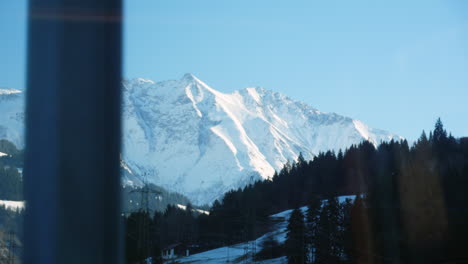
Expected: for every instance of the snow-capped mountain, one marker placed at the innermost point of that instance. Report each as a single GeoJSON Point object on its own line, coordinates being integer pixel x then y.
{"type": "Point", "coordinates": [12, 116]}
{"type": "Point", "coordinates": [190, 138]}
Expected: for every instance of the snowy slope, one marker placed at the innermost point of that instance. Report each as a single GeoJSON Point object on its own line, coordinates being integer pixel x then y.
{"type": "Point", "coordinates": [190, 138]}
{"type": "Point", "coordinates": [12, 116]}
{"type": "Point", "coordinates": [246, 250]}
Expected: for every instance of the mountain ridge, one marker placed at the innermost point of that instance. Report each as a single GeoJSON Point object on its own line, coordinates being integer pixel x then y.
{"type": "Point", "coordinates": [225, 140]}
{"type": "Point", "coordinates": [193, 139]}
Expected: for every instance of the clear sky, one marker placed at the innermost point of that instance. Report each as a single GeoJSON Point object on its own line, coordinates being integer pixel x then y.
{"type": "Point", "coordinates": [396, 65]}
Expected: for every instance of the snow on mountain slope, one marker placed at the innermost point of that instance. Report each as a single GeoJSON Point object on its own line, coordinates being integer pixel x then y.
{"type": "Point", "coordinates": [190, 138]}
{"type": "Point", "coordinates": [12, 116]}
{"type": "Point", "coordinates": [193, 139]}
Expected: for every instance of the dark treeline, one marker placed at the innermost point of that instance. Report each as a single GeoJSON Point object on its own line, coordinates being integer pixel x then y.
{"type": "Point", "coordinates": [414, 207]}
{"type": "Point", "coordinates": [11, 221]}
{"type": "Point", "coordinates": [147, 235]}
{"type": "Point", "coordinates": [320, 234]}
{"type": "Point", "coordinates": [11, 187]}
{"type": "Point", "coordinates": [159, 199]}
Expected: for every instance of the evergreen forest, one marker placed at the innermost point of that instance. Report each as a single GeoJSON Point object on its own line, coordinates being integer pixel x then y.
{"type": "Point", "coordinates": [410, 206]}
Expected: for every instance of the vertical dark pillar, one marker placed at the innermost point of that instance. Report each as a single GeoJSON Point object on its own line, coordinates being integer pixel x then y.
{"type": "Point", "coordinates": [73, 138]}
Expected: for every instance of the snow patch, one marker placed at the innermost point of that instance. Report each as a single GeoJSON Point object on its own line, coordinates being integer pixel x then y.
{"type": "Point", "coordinates": [125, 167]}
{"type": "Point", "coordinates": [9, 91]}
{"type": "Point", "coordinates": [188, 91]}
{"type": "Point", "coordinates": [362, 128]}
{"type": "Point", "coordinates": [15, 206]}
{"type": "Point", "coordinates": [183, 207]}
{"type": "Point", "coordinates": [254, 94]}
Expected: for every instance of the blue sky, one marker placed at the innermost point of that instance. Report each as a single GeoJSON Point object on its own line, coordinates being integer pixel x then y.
{"type": "Point", "coordinates": [396, 65]}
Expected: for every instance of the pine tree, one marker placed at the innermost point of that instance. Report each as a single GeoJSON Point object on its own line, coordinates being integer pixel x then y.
{"type": "Point", "coordinates": [440, 135]}
{"type": "Point", "coordinates": [300, 160]}
{"type": "Point", "coordinates": [270, 248]}
{"type": "Point", "coordinates": [312, 219]}
{"type": "Point", "coordinates": [323, 242]}
{"type": "Point", "coordinates": [140, 240]}
{"type": "Point", "coordinates": [295, 245]}
{"type": "Point", "coordinates": [361, 244]}
{"type": "Point", "coordinates": [423, 137]}
{"type": "Point", "coordinates": [347, 232]}
{"type": "Point", "coordinates": [329, 244]}
{"type": "Point", "coordinates": [336, 231]}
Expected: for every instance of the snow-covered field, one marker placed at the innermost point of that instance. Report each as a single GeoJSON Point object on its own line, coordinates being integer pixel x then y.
{"type": "Point", "coordinates": [12, 205]}
{"type": "Point", "coordinates": [243, 252]}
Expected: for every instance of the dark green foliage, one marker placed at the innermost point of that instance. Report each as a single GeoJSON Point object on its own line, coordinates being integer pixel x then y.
{"type": "Point", "coordinates": [178, 226]}
{"type": "Point", "coordinates": [295, 245]}
{"type": "Point", "coordinates": [439, 135]}
{"type": "Point", "coordinates": [9, 148]}
{"type": "Point", "coordinates": [146, 236]}
{"type": "Point", "coordinates": [346, 231]}
{"type": "Point", "coordinates": [131, 198]}
{"type": "Point", "coordinates": [312, 228]}
{"type": "Point", "coordinates": [270, 248]}
{"type": "Point", "coordinates": [415, 201]}
{"type": "Point", "coordinates": [11, 221]}
{"type": "Point", "coordinates": [11, 188]}
{"type": "Point", "coordinates": [329, 241]}
{"type": "Point", "coordinates": [142, 236]}
{"type": "Point", "coordinates": [415, 211]}
{"type": "Point", "coordinates": [415, 208]}
{"type": "Point", "coordinates": [11, 183]}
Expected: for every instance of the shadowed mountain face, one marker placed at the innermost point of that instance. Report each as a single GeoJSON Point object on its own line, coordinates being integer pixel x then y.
{"type": "Point", "coordinates": [190, 138]}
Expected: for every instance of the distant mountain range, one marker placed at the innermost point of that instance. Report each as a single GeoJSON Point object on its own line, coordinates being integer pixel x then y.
{"type": "Point", "coordinates": [190, 138]}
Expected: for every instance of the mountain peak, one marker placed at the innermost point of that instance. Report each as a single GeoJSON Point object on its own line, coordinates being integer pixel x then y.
{"type": "Point", "coordinates": [143, 80]}
{"type": "Point", "coordinates": [8, 91]}
{"type": "Point", "coordinates": [198, 141]}
{"type": "Point", "coordinates": [189, 77]}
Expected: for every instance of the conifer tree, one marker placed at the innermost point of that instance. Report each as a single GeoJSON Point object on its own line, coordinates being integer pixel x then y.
{"type": "Point", "coordinates": [347, 232]}
{"type": "Point", "coordinates": [312, 220]}
{"type": "Point", "coordinates": [300, 160]}
{"type": "Point", "coordinates": [329, 242]}
{"type": "Point", "coordinates": [323, 242]}
{"type": "Point", "coordinates": [440, 134]}
{"type": "Point", "coordinates": [295, 245]}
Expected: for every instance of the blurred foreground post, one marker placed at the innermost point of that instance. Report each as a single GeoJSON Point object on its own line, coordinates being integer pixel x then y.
{"type": "Point", "coordinates": [71, 174]}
